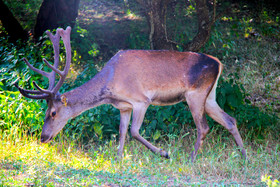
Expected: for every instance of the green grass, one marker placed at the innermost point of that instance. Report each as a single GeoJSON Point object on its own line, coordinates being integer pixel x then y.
{"type": "Point", "coordinates": [24, 161]}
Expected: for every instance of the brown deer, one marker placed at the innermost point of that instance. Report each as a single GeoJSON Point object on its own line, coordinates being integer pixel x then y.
{"type": "Point", "coordinates": [131, 81]}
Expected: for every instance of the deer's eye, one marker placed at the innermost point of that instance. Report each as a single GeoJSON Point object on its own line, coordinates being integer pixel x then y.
{"type": "Point", "coordinates": [53, 114]}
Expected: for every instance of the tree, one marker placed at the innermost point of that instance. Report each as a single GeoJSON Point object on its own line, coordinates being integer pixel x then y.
{"type": "Point", "coordinates": [155, 11]}
{"type": "Point", "coordinates": [55, 13]}
{"type": "Point", "coordinates": [11, 24]}
{"type": "Point", "coordinates": [205, 21]}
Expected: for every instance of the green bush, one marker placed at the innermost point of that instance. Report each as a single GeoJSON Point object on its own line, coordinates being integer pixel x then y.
{"type": "Point", "coordinates": [19, 116]}
{"type": "Point", "coordinates": [269, 182]}
{"type": "Point", "coordinates": [103, 122]}
{"type": "Point", "coordinates": [231, 96]}
{"type": "Point", "coordinates": [25, 11]}
{"type": "Point", "coordinates": [13, 68]}
{"type": "Point", "coordinates": [84, 43]}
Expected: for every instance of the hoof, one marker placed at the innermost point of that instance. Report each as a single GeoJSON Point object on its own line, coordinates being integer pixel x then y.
{"type": "Point", "coordinates": [164, 154]}
{"type": "Point", "coordinates": [167, 156]}
{"type": "Point", "coordinates": [192, 156]}
{"type": "Point", "coordinates": [244, 155]}
{"type": "Point", "coordinates": [119, 157]}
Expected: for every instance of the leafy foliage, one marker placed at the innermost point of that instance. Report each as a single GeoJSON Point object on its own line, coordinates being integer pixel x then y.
{"type": "Point", "coordinates": [231, 96]}
{"type": "Point", "coordinates": [25, 11]}
{"type": "Point", "coordinates": [270, 183]}
{"type": "Point", "coordinates": [103, 122]}
{"type": "Point", "coordinates": [84, 43]}
{"type": "Point", "coordinates": [19, 116]}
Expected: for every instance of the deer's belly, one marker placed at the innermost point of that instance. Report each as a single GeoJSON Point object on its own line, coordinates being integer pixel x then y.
{"type": "Point", "coordinates": [167, 98]}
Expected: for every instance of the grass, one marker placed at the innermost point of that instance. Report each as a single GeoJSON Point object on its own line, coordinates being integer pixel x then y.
{"type": "Point", "coordinates": [26, 162]}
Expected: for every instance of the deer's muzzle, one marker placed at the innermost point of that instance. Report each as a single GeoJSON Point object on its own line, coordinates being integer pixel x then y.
{"type": "Point", "coordinates": [46, 138]}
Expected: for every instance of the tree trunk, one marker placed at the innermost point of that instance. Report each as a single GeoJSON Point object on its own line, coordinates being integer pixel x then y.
{"type": "Point", "coordinates": [155, 11]}
{"type": "Point", "coordinates": [204, 26]}
{"type": "Point", "coordinates": [55, 13]}
{"type": "Point", "coordinates": [11, 24]}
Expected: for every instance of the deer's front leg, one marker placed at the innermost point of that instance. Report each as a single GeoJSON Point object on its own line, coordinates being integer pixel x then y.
{"type": "Point", "coordinates": [138, 116]}
{"type": "Point", "coordinates": [125, 118]}
{"type": "Point", "coordinates": [196, 102]}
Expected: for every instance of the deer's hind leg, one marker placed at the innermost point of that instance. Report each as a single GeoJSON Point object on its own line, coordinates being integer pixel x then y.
{"type": "Point", "coordinates": [215, 112]}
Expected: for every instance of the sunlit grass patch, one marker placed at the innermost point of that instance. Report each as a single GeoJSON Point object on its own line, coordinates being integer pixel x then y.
{"type": "Point", "coordinates": [27, 161]}
{"type": "Point", "coordinates": [63, 163]}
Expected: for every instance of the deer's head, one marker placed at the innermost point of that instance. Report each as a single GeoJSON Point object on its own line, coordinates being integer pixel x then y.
{"type": "Point", "coordinates": [58, 112]}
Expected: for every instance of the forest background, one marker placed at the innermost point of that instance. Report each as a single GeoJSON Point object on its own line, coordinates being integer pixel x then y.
{"type": "Point", "coordinates": [244, 35]}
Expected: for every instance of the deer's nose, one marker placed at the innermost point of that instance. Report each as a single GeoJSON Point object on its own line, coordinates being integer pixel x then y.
{"type": "Point", "coordinates": [46, 138]}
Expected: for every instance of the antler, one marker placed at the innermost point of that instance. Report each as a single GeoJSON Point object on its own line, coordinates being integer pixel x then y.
{"type": "Point", "coordinates": [41, 93]}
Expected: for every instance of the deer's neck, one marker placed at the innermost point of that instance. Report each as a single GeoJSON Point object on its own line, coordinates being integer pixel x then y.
{"type": "Point", "coordinates": [89, 95]}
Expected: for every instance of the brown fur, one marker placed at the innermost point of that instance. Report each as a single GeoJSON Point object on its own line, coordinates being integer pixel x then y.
{"type": "Point", "coordinates": [135, 79]}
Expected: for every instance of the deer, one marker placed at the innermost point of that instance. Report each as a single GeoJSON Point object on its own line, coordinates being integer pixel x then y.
{"type": "Point", "coordinates": [131, 81]}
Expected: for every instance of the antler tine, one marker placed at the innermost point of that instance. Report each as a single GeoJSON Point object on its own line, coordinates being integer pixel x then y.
{"type": "Point", "coordinates": [41, 89]}
{"type": "Point", "coordinates": [65, 35]}
{"type": "Point", "coordinates": [55, 41]}
{"type": "Point", "coordinates": [46, 74]}
{"type": "Point", "coordinates": [52, 67]}
{"type": "Point", "coordinates": [40, 93]}
{"type": "Point", "coordinates": [26, 93]}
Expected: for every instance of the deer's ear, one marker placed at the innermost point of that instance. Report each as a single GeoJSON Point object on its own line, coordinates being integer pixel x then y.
{"type": "Point", "coordinates": [64, 100]}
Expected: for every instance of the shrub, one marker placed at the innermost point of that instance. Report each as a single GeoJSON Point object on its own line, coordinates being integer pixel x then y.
{"type": "Point", "coordinates": [19, 116]}
{"type": "Point", "coordinates": [270, 183]}
{"type": "Point", "coordinates": [231, 96]}
{"type": "Point", "coordinates": [103, 122]}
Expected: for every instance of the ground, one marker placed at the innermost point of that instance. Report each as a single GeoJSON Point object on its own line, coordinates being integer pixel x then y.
{"type": "Point", "coordinates": [109, 25]}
